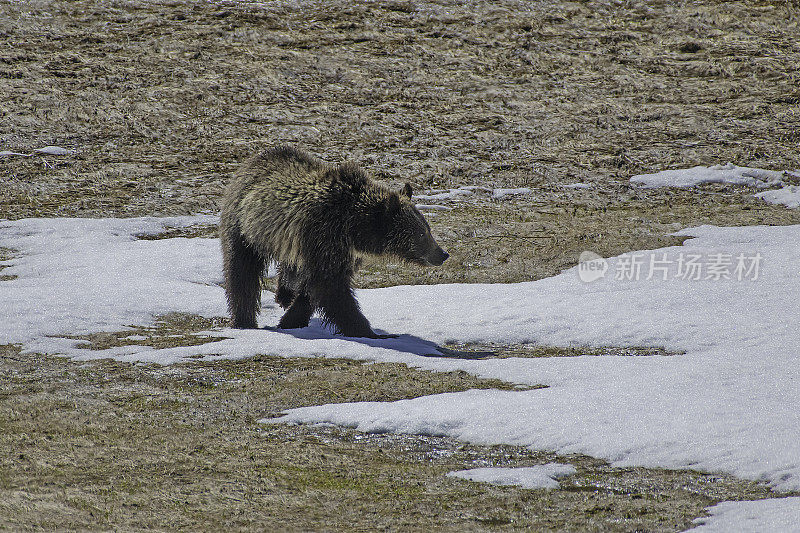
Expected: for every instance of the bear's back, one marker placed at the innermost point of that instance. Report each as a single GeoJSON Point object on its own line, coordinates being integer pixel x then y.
{"type": "Point", "coordinates": [290, 174]}
{"type": "Point", "coordinates": [283, 196]}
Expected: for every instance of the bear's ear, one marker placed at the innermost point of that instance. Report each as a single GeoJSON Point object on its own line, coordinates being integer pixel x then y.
{"type": "Point", "coordinates": [407, 190]}
{"type": "Point", "coordinates": [391, 204]}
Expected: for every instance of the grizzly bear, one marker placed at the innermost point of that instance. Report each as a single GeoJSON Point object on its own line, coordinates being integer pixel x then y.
{"type": "Point", "coordinates": [316, 221]}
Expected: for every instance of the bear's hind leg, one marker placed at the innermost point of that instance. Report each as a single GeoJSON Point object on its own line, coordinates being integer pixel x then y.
{"type": "Point", "coordinates": [284, 296]}
{"type": "Point", "coordinates": [298, 314]}
{"type": "Point", "coordinates": [286, 286]}
{"type": "Point", "coordinates": [243, 270]}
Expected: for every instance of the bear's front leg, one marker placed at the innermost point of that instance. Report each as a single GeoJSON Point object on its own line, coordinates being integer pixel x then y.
{"type": "Point", "coordinates": [340, 309]}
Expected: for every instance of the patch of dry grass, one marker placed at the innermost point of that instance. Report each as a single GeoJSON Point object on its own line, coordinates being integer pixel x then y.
{"type": "Point", "coordinates": [169, 331]}
{"type": "Point", "coordinates": [472, 350]}
{"type": "Point", "coordinates": [5, 255]}
{"type": "Point", "coordinates": [163, 101]}
{"type": "Point", "coordinates": [205, 231]}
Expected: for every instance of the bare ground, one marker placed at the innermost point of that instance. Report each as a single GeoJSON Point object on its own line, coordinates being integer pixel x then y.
{"type": "Point", "coordinates": [162, 100]}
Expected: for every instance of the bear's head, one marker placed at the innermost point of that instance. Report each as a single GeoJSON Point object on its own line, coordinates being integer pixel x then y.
{"type": "Point", "coordinates": [407, 234]}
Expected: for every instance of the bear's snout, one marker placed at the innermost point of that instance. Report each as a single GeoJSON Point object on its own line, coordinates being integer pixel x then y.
{"type": "Point", "coordinates": [437, 257]}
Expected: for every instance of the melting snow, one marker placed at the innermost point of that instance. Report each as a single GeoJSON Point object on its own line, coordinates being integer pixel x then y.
{"type": "Point", "coordinates": [771, 515]}
{"type": "Point", "coordinates": [752, 177]}
{"type": "Point", "coordinates": [530, 477]}
{"type": "Point", "coordinates": [469, 190]}
{"type": "Point", "coordinates": [788, 196]}
{"type": "Point", "coordinates": [54, 150]}
{"type": "Point", "coordinates": [728, 173]}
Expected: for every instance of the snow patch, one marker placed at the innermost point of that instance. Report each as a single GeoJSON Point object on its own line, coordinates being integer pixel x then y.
{"type": "Point", "coordinates": [54, 150]}
{"type": "Point", "coordinates": [788, 196]}
{"type": "Point", "coordinates": [45, 150]}
{"type": "Point", "coordinates": [502, 193]}
{"type": "Point", "coordinates": [728, 173]}
{"type": "Point", "coordinates": [448, 194]}
{"type": "Point", "coordinates": [530, 477]}
{"type": "Point", "coordinates": [433, 207]}
{"type": "Point", "coordinates": [462, 192]}
{"type": "Point", "coordinates": [772, 515]}
{"type": "Point", "coordinates": [728, 404]}
{"type": "Point", "coordinates": [86, 275]}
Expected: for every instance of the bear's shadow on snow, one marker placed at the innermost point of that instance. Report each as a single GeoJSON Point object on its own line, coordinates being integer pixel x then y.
{"type": "Point", "coordinates": [410, 344]}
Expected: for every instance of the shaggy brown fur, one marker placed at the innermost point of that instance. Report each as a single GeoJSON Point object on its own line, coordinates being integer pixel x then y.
{"type": "Point", "coordinates": [315, 220]}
